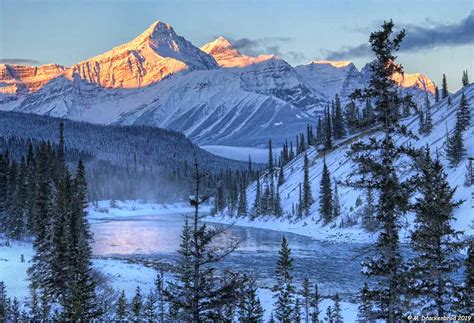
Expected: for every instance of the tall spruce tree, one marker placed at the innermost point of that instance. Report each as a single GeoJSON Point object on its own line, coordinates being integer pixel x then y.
{"type": "Point", "coordinates": [284, 289]}
{"type": "Point", "coordinates": [444, 89]}
{"type": "Point", "coordinates": [121, 307]}
{"type": "Point", "coordinates": [465, 78]}
{"type": "Point", "coordinates": [455, 149]}
{"type": "Point", "coordinates": [315, 300]}
{"type": "Point", "coordinates": [198, 293]}
{"type": "Point", "coordinates": [307, 194]}
{"type": "Point", "coordinates": [434, 240]}
{"type": "Point", "coordinates": [465, 304]}
{"type": "Point", "coordinates": [338, 121]}
{"type": "Point", "coordinates": [375, 167]}
{"type": "Point", "coordinates": [251, 309]}
{"type": "Point", "coordinates": [464, 113]}
{"type": "Point", "coordinates": [271, 163]}
{"type": "Point", "coordinates": [327, 129]}
{"type": "Point", "coordinates": [137, 305]}
{"type": "Point", "coordinates": [306, 293]}
{"type": "Point", "coordinates": [325, 195]}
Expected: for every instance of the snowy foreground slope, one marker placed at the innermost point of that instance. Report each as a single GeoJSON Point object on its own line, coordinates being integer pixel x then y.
{"type": "Point", "coordinates": [215, 95]}
{"type": "Point", "coordinates": [444, 117]}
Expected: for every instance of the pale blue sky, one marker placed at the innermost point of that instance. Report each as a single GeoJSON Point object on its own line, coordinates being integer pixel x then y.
{"type": "Point", "coordinates": [66, 31]}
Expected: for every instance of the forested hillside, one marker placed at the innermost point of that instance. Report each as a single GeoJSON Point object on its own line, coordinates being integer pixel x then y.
{"type": "Point", "coordinates": [122, 162]}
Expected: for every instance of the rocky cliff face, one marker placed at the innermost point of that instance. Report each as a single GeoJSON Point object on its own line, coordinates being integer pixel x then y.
{"type": "Point", "coordinates": [20, 78]}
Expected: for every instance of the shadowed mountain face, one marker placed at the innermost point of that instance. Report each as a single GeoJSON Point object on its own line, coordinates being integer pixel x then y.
{"type": "Point", "coordinates": [214, 95]}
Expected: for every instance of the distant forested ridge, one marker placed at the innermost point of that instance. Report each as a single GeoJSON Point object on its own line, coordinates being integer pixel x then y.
{"type": "Point", "coordinates": [122, 162]}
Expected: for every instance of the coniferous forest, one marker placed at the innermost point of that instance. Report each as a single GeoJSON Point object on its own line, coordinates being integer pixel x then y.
{"type": "Point", "coordinates": [359, 217]}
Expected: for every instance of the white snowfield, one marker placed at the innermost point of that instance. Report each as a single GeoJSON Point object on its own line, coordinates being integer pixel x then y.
{"type": "Point", "coordinates": [340, 166]}
{"type": "Point", "coordinates": [214, 95]}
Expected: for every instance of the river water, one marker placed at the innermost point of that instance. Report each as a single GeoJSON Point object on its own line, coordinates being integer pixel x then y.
{"type": "Point", "coordinates": [334, 266]}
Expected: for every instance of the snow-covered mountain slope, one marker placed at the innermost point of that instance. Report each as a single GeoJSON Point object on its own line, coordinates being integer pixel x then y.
{"type": "Point", "coordinates": [226, 55]}
{"type": "Point", "coordinates": [215, 96]}
{"type": "Point", "coordinates": [343, 77]}
{"type": "Point", "coordinates": [340, 166]}
{"type": "Point", "coordinates": [210, 107]}
{"type": "Point", "coordinates": [332, 77]}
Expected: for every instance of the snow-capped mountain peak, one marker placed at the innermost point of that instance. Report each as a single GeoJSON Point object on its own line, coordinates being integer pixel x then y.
{"type": "Point", "coordinates": [227, 55]}
{"type": "Point", "coordinates": [415, 80]}
{"type": "Point", "coordinates": [155, 54]}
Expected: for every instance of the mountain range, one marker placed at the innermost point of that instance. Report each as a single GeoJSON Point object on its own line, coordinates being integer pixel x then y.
{"type": "Point", "coordinates": [213, 94]}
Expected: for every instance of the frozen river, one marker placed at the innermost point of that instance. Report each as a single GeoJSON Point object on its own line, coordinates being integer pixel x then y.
{"type": "Point", "coordinates": [334, 266]}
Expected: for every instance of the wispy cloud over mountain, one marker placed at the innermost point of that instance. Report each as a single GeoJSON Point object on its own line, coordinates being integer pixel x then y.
{"type": "Point", "coordinates": [20, 61]}
{"type": "Point", "coordinates": [420, 38]}
{"type": "Point", "coordinates": [266, 45]}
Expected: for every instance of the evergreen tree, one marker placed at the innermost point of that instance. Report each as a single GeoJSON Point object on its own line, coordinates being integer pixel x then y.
{"type": "Point", "coordinates": [271, 164]}
{"type": "Point", "coordinates": [281, 176]}
{"type": "Point", "coordinates": [434, 240]}
{"type": "Point", "coordinates": [297, 311]}
{"type": "Point", "coordinates": [444, 90]}
{"type": "Point", "coordinates": [327, 130]}
{"type": "Point", "coordinates": [198, 294]}
{"type": "Point", "coordinates": [121, 307]}
{"type": "Point", "coordinates": [137, 305]}
{"type": "Point", "coordinates": [375, 167]}
{"type": "Point", "coordinates": [257, 204]}
{"type": "Point", "coordinates": [365, 309]}
{"type": "Point", "coordinates": [250, 309]}
{"type": "Point", "coordinates": [330, 314]}
{"type": "Point", "coordinates": [421, 121]}
{"type": "Point", "coordinates": [160, 294]}
{"type": "Point", "coordinates": [428, 124]}
{"type": "Point", "coordinates": [325, 195]}
{"type": "Point", "coordinates": [150, 306]}
{"type": "Point", "coordinates": [464, 114]}
{"type": "Point", "coordinates": [272, 319]}
{"type": "Point", "coordinates": [307, 194]}
{"type": "Point", "coordinates": [242, 209]}
{"type": "Point", "coordinates": [306, 293]}
{"type": "Point", "coordinates": [15, 314]}
{"type": "Point", "coordinates": [436, 94]}
{"type": "Point", "coordinates": [4, 303]}
{"type": "Point", "coordinates": [455, 149]}
{"type": "Point", "coordinates": [465, 78]}
{"type": "Point", "coordinates": [465, 305]}
{"type": "Point", "coordinates": [338, 123]}
{"type": "Point", "coordinates": [315, 300]}
{"type": "Point", "coordinates": [337, 315]}
{"type": "Point", "coordinates": [369, 212]}
{"type": "Point", "coordinates": [335, 203]}
{"type": "Point", "coordinates": [277, 209]}
{"type": "Point", "coordinates": [284, 289]}
{"type": "Point", "coordinates": [83, 303]}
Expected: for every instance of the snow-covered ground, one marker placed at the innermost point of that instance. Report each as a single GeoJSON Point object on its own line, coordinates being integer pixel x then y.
{"type": "Point", "coordinates": [119, 275]}
{"type": "Point", "coordinates": [258, 155]}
